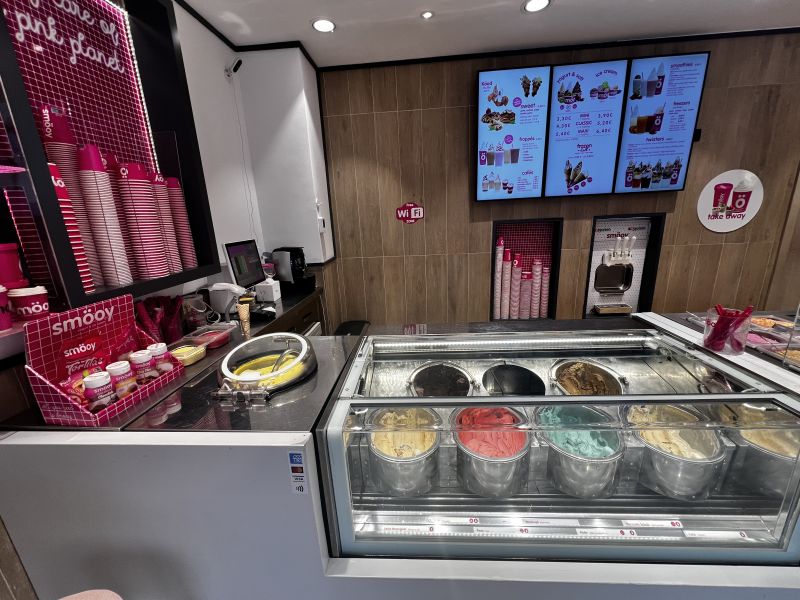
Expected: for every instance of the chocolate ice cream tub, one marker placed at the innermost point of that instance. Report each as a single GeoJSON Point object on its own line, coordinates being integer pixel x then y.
{"type": "Point", "coordinates": [491, 476]}
{"type": "Point", "coordinates": [684, 462]}
{"type": "Point", "coordinates": [403, 456]}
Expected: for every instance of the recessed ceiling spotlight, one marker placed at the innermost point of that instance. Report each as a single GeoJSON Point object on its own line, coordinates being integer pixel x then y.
{"type": "Point", "coordinates": [323, 25]}
{"type": "Point", "coordinates": [532, 6]}
{"type": "Point", "coordinates": [428, 14]}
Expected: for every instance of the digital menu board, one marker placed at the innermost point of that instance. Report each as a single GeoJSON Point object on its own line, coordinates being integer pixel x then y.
{"type": "Point", "coordinates": [662, 105]}
{"type": "Point", "coordinates": [586, 108]}
{"type": "Point", "coordinates": [512, 125]}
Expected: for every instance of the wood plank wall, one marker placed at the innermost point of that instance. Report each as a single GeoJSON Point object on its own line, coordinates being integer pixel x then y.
{"type": "Point", "coordinates": [398, 134]}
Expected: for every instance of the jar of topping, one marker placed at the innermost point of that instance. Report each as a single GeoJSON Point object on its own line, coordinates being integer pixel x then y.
{"type": "Point", "coordinates": [99, 392]}
{"type": "Point", "coordinates": [144, 366]}
{"type": "Point", "coordinates": [122, 378]}
{"type": "Point", "coordinates": [161, 357]}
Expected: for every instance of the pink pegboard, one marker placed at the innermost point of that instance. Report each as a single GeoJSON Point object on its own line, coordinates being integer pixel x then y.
{"type": "Point", "coordinates": [533, 240]}
{"type": "Point", "coordinates": [85, 64]}
{"type": "Point", "coordinates": [109, 321]}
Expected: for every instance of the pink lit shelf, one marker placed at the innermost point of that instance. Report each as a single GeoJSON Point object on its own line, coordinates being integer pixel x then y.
{"type": "Point", "coordinates": [7, 170]}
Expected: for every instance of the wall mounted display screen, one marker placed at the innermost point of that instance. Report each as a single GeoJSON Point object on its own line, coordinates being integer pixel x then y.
{"type": "Point", "coordinates": [512, 127]}
{"type": "Point", "coordinates": [662, 105]}
{"type": "Point", "coordinates": [586, 103]}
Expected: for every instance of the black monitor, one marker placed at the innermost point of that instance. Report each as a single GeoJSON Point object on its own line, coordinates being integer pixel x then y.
{"type": "Point", "coordinates": [244, 262]}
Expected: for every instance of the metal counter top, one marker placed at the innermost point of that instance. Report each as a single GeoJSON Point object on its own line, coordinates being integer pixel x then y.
{"type": "Point", "coordinates": [295, 409]}
{"type": "Point", "coordinates": [593, 324]}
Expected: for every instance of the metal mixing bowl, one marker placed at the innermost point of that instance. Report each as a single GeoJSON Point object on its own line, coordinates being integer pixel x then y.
{"type": "Point", "coordinates": [404, 476]}
{"type": "Point", "coordinates": [614, 382]}
{"type": "Point", "coordinates": [491, 477]}
{"type": "Point", "coordinates": [440, 379]}
{"type": "Point", "coordinates": [679, 477]}
{"type": "Point", "coordinates": [512, 380]}
{"type": "Point", "coordinates": [580, 476]}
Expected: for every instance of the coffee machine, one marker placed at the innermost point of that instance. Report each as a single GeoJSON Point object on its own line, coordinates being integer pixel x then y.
{"type": "Point", "coordinates": [290, 264]}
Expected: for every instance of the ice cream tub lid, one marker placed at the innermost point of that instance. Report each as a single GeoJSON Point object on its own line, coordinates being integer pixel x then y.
{"type": "Point", "coordinates": [119, 368]}
{"type": "Point", "coordinates": [96, 380]}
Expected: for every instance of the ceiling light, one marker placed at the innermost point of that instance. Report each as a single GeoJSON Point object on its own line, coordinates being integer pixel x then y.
{"type": "Point", "coordinates": [428, 14]}
{"type": "Point", "coordinates": [323, 25]}
{"type": "Point", "coordinates": [531, 6]}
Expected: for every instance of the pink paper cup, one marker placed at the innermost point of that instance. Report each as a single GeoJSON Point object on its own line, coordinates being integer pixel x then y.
{"type": "Point", "coordinates": [28, 304]}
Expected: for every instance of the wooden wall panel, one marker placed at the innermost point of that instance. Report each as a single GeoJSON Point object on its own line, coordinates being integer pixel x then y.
{"type": "Point", "coordinates": [406, 133]}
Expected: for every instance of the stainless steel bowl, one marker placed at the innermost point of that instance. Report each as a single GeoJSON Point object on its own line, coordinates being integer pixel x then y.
{"type": "Point", "coordinates": [404, 476]}
{"type": "Point", "coordinates": [615, 383]}
{"type": "Point", "coordinates": [440, 379]}
{"type": "Point", "coordinates": [512, 380]}
{"type": "Point", "coordinates": [491, 477]}
{"type": "Point", "coordinates": [680, 477]}
{"type": "Point", "coordinates": [580, 476]}
{"type": "Point", "coordinates": [762, 470]}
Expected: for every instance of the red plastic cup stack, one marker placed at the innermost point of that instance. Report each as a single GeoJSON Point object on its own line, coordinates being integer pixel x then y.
{"type": "Point", "coordinates": [98, 199]}
{"type": "Point", "coordinates": [525, 295]}
{"type": "Point", "coordinates": [62, 149]}
{"type": "Point", "coordinates": [144, 228]}
{"type": "Point", "coordinates": [545, 292]}
{"type": "Point", "coordinates": [181, 220]}
{"type": "Point", "coordinates": [73, 232]}
{"type": "Point", "coordinates": [516, 279]}
{"type": "Point", "coordinates": [167, 224]}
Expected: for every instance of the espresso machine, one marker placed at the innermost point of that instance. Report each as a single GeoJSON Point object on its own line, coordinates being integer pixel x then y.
{"type": "Point", "coordinates": [290, 264]}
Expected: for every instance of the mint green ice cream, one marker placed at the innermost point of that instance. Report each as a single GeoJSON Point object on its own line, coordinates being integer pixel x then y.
{"type": "Point", "coordinates": [586, 443]}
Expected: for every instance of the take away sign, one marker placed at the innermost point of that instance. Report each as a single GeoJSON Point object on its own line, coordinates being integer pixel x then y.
{"type": "Point", "coordinates": [409, 213]}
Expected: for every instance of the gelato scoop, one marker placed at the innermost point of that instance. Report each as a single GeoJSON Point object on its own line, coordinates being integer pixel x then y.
{"type": "Point", "coordinates": [587, 443]}
{"type": "Point", "coordinates": [410, 432]}
{"type": "Point", "coordinates": [490, 431]}
{"type": "Point", "coordinates": [692, 444]}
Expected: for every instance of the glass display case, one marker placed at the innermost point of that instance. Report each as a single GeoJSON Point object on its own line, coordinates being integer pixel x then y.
{"type": "Point", "coordinates": [623, 445]}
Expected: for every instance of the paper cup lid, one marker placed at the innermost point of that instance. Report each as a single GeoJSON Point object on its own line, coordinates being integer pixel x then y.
{"type": "Point", "coordinates": [31, 291]}
{"type": "Point", "coordinates": [157, 349]}
{"type": "Point", "coordinates": [140, 356]}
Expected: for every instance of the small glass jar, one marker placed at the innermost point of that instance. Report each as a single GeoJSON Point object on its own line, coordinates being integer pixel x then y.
{"type": "Point", "coordinates": [161, 357]}
{"type": "Point", "coordinates": [122, 378]}
{"type": "Point", "coordinates": [99, 392]}
{"type": "Point", "coordinates": [144, 366]}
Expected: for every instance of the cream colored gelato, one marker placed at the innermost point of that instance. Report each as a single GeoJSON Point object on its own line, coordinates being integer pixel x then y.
{"type": "Point", "coordinates": [410, 433]}
{"type": "Point", "coordinates": [785, 442]}
{"type": "Point", "coordinates": [683, 443]}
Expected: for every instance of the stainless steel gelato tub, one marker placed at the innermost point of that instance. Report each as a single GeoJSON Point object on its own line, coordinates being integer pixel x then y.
{"type": "Point", "coordinates": [403, 451]}
{"type": "Point", "coordinates": [440, 379]}
{"type": "Point", "coordinates": [503, 474]}
{"type": "Point", "coordinates": [571, 470]}
{"type": "Point", "coordinates": [581, 377]}
{"type": "Point", "coordinates": [770, 454]}
{"type": "Point", "coordinates": [681, 460]}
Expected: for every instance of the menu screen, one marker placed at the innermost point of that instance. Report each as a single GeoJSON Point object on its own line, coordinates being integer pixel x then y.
{"type": "Point", "coordinates": [586, 102]}
{"type": "Point", "coordinates": [663, 100]}
{"type": "Point", "coordinates": [512, 124]}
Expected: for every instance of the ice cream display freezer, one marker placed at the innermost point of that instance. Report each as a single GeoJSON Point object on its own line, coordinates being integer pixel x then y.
{"type": "Point", "coordinates": [615, 446]}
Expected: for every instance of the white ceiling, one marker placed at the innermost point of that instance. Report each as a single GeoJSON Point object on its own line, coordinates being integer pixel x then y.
{"type": "Point", "coordinates": [383, 30]}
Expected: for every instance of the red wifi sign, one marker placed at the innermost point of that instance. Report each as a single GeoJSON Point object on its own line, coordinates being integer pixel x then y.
{"type": "Point", "coordinates": [409, 213]}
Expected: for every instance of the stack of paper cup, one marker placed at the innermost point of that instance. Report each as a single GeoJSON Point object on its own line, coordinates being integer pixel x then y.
{"type": "Point", "coordinates": [144, 227]}
{"type": "Point", "coordinates": [498, 277]}
{"type": "Point", "coordinates": [181, 220]}
{"type": "Point", "coordinates": [545, 291]}
{"type": "Point", "coordinates": [99, 202]}
{"type": "Point", "coordinates": [167, 225]}
{"type": "Point", "coordinates": [505, 298]}
{"type": "Point", "coordinates": [111, 163]}
{"type": "Point", "coordinates": [73, 232]}
{"type": "Point", "coordinates": [525, 295]}
{"type": "Point", "coordinates": [516, 278]}
{"type": "Point", "coordinates": [62, 149]}
{"type": "Point", "coordinates": [536, 288]}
